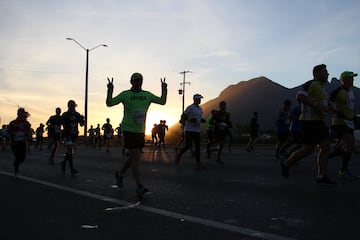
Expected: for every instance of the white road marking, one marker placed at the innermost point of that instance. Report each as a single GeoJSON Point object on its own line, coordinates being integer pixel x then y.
{"type": "Point", "coordinates": [179, 216]}
{"type": "Point", "coordinates": [123, 207]}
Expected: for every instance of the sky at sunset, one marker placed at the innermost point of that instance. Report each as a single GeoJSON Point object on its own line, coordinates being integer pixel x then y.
{"type": "Point", "coordinates": [220, 42]}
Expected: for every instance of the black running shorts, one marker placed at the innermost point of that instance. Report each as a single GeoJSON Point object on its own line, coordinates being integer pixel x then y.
{"type": "Point", "coordinates": [133, 140]}
{"type": "Point", "coordinates": [314, 132]}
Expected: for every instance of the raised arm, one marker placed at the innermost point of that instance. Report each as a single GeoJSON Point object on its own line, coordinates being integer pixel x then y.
{"type": "Point", "coordinates": [110, 89]}
{"type": "Point", "coordinates": [163, 91]}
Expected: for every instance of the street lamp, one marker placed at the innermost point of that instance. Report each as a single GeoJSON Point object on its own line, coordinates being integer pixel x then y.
{"type": "Point", "coordinates": [182, 91]}
{"type": "Point", "coordinates": [86, 79]}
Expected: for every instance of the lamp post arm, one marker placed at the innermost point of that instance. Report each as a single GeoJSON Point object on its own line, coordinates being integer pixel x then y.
{"type": "Point", "coordinates": [76, 43]}
{"type": "Point", "coordinates": [100, 45]}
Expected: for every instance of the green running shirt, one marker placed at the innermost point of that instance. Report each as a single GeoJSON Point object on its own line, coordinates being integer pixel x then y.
{"type": "Point", "coordinates": [316, 91]}
{"type": "Point", "coordinates": [136, 105]}
{"type": "Point", "coordinates": [343, 101]}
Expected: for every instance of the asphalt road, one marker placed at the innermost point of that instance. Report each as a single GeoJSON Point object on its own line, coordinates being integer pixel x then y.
{"type": "Point", "coordinates": [247, 198]}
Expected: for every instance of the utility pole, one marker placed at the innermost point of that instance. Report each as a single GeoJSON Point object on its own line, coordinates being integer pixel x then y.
{"type": "Point", "coordinates": [182, 91]}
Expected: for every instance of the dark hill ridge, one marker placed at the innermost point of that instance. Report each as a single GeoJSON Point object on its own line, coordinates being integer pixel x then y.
{"type": "Point", "coordinates": [261, 95]}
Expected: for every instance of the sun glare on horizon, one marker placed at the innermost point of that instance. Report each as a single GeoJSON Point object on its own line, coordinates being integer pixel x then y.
{"type": "Point", "coordinates": [154, 117]}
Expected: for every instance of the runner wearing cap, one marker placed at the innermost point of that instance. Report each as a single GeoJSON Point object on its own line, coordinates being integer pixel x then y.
{"type": "Point", "coordinates": [343, 101]}
{"type": "Point", "coordinates": [192, 117]}
{"type": "Point", "coordinates": [136, 103]}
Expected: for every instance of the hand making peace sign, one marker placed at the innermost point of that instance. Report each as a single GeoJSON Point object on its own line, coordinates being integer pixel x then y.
{"type": "Point", "coordinates": [163, 83]}
{"type": "Point", "coordinates": [110, 84]}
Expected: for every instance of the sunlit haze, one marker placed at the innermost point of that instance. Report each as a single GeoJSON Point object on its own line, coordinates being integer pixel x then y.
{"type": "Point", "coordinates": [220, 42]}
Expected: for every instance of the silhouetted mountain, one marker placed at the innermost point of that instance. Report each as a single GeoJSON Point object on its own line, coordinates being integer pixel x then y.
{"type": "Point", "coordinates": [259, 94]}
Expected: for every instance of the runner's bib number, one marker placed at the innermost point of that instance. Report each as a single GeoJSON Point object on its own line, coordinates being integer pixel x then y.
{"type": "Point", "coordinates": [139, 116]}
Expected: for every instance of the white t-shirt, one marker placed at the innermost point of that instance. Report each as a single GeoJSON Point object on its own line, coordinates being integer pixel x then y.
{"type": "Point", "coordinates": [194, 115]}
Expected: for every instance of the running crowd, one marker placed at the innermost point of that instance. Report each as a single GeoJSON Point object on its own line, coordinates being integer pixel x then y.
{"type": "Point", "coordinates": [300, 130]}
{"type": "Point", "coordinates": [308, 128]}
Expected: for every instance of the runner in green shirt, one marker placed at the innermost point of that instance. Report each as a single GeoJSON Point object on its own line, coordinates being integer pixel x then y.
{"type": "Point", "coordinates": [314, 107]}
{"type": "Point", "coordinates": [343, 100]}
{"type": "Point", "coordinates": [136, 103]}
